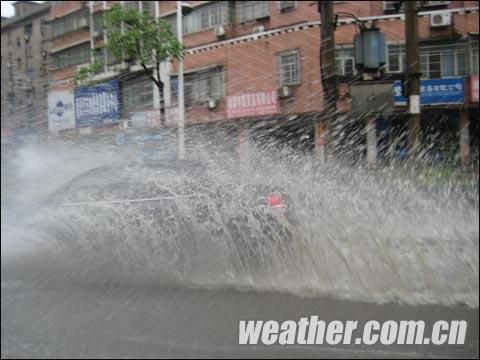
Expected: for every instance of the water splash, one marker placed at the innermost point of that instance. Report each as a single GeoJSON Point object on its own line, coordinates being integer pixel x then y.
{"type": "Point", "coordinates": [360, 235]}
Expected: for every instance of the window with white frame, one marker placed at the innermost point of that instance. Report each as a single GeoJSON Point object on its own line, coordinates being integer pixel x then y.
{"type": "Point", "coordinates": [205, 17]}
{"type": "Point", "coordinates": [396, 58]}
{"type": "Point", "coordinates": [344, 62]}
{"type": "Point", "coordinates": [251, 10]}
{"type": "Point", "coordinates": [443, 60]}
{"type": "Point", "coordinates": [288, 64]}
{"type": "Point", "coordinates": [200, 86]}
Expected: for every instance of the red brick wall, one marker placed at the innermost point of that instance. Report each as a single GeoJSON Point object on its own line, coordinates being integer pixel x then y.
{"type": "Point", "coordinates": [64, 7]}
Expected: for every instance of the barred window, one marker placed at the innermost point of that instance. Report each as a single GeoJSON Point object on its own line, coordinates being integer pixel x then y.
{"type": "Point", "coordinates": [200, 86]}
{"type": "Point", "coordinates": [396, 58]}
{"type": "Point", "coordinates": [443, 61]}
{"type": "Point", "coordinates": [70, 23]}
{"type": "Point", "coordinates": [344, 62]}
{"type": "Point", "coordinates": [73, 56]}
{"type": "Point", "coordinates": [205, 17]}
{"type": "Point", "coordinates": [137, 94]}
{"type": "Point", "coordinates": [251, 10]}
{"type": "Point", "coordinates": [288, 68]}
{"type": "Point", "coordinates": [474, 57]}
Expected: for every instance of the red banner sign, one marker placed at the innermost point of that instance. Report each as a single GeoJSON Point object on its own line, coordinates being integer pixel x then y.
{"type": "Point", "coordinates": [252, 104]}
{"type": "Point", "coordinates": [474, 88]}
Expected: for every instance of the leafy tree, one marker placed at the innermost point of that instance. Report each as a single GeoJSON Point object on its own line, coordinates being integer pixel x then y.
{"type": "Point", "coordinates": [137, 36]}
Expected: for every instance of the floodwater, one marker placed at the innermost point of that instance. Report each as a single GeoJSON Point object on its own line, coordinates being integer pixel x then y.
{"type": "Point", "coordinates": [101, 277]}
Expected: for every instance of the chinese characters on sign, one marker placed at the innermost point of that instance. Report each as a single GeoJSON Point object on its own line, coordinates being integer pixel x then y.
{"type": "Point", "coordinates": [97, 104]}
{"type": "Point", "coordinates": [252, 104]}
{"type": "Point", "coordinates": [434, 92]}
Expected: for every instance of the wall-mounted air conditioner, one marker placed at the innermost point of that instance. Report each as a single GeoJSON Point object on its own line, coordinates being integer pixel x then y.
{"type": "Point", "coordinates": [259, 29]}
{"type": "Point", "coordinates": [286, 5]}
{"type": "Point", "coordinates": [219, 31]}
{"type": "Point", "coordinates": [440, 19]}
{"type": "Point", "coordinates": [211, 104]}
{"type": "Point", "coordinates": [284, 92]}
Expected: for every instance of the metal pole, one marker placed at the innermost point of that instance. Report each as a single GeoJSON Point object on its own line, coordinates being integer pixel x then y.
{"type": "Point", "coordinates": [413, 78]}
{"type": "Point", "coordinates": [181, 100]}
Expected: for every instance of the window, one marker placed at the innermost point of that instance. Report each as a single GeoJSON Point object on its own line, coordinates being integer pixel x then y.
{"type": "Point", "coordinates": [474, 56]}
{"type": "Point", "coordinates": [43, 27]}
{"type": "Point", "coordinates": [286, 5]}
{"type": "Point", "coordinates": [9, 38]}
{"type": "Point", "coordinates": [19, 42]}
{"type": "Point", "coordinates": [73, 56]}
{"type": "Point", "coordinates": [70, 23]}
{"type": "Point", "coordinates": [205, 17]}
{"type": "Point", "coordinates": [288, 68]}
{"type": "Point", "coordinates": [28, 32]}
{"type": "Point", "coordinates": [149, 6]}
{"type": "Point", "coordinates": [345, 62]}
{"type": "Point", "coordinates": [98, 23]}
{"type": "Point", "coordinates": [443, 60]}
{"type": "Point", "coordinates": [19, 63]}
{"type": "Point", "coordinates": [138, 94]}
{"type": "Point", "coordinates": [396, 58]}
{"type": "Point", "coordinates": [251, 10]}
{"type": "Point", "coordinates": [131, 4]}
{"type": "Point", "coordinates": [200, 86]}
{"type": "Point", "coordinates": [28, 51]}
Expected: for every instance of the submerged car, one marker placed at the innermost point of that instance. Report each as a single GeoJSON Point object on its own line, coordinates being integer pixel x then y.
{"type": "Point", "coordinates": [185, 201]}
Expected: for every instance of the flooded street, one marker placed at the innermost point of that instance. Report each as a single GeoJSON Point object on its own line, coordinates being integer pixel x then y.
{"type": "Point", "coordinates": [145, 261]}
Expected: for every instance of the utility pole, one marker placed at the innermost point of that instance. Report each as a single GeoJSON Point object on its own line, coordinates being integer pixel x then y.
{"type": "Point", "coordinates": [413, 78]}
{"type": "Point", "coordinates": [181, 101]}
{"type": "Point", "coordinates": [327, 69]}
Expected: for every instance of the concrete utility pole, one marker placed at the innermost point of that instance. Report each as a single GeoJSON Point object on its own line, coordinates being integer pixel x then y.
{"type": "Point", "coordinates": [413, 78]}
{"type": "Point", "coordinates": [327, 68]}
{"type": "Point", "coordinates": [181, 101]}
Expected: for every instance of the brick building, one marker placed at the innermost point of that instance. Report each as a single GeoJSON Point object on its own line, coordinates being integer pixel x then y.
{"type": "Point", "coordinates": [24, 67]}
{"type": "Point", "coordinates": [239, 53]}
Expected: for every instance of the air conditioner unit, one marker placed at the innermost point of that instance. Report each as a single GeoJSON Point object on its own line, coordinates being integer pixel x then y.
{"type": "Point", "coordinates": [44, 53]}
{"type": "Point", "coordinates": [440, 19]}
{"type": "Point", "coordinates": [82, 22]}
{"type": "Point", "coordinates": [258, 29]}
{"type": "Point", "coordinates": [220, 31]}
{"type": "Point", "coordinates": [9, 65]}
{"type": "Point", "coordinates": [286, 5]}
{"type": "Point", "coordinates": [27, 37]}
{"type": "Point", "coordinates": [284, 92]}
{"type": "Point", "coordinates": [211, 104]}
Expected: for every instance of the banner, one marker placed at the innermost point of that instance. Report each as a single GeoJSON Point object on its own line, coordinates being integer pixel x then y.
{"type": "Point", "coordinates": [252, 104]}
{"type": "Point", "coordinates": [474, 88]}
{"type": "Point", "coordinates": [434, 92]}
{"type": "Point", "coordinates": [61, 113]}
{"type": "Point", "coordinates": [97, 105]}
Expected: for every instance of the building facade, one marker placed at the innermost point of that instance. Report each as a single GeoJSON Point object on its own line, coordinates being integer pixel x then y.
{"type": "Point", "coordinates": [25, 67]}
{"type": "Point", "coordinates": [257, 63]}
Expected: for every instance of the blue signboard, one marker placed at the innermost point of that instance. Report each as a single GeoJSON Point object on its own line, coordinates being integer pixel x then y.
{"type": "Point", "coordinates": [434, 92]}
{"type": "Point", "coordinates": [96, 105]}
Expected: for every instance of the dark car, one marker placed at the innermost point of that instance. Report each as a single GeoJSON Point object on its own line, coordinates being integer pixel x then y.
{"type": "Point", "coordinates": [185, 201]}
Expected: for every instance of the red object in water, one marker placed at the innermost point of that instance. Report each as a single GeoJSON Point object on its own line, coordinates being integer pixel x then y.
{"type": "Point", "coordinates": [274, 200]}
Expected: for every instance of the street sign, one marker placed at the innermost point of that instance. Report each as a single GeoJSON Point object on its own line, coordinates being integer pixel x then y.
{"type": "Point", "coordinates": [434, 92]}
